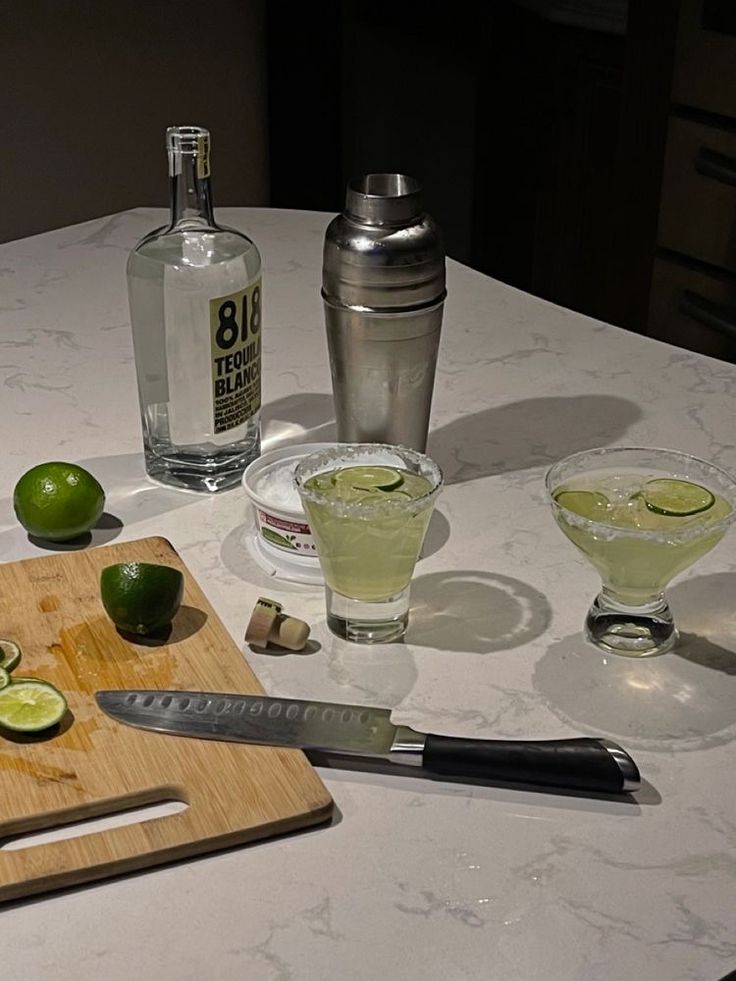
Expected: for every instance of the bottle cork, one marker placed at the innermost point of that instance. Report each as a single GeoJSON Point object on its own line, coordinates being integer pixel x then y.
{"type": "Point", "coordinates": [270, 625]}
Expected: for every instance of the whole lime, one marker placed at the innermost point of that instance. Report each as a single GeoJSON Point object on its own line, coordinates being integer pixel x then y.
{"type": "Point", "coordinates": [58, 501]}
{"type": "Point", "coordinates": [141, 597]}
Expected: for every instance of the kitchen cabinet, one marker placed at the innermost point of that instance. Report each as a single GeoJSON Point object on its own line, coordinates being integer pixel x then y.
{"type": "Point", "coordinates": [692, 299]}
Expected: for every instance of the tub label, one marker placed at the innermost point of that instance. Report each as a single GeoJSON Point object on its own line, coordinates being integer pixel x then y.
{"type": "Point", "coordinates": [292, 536]}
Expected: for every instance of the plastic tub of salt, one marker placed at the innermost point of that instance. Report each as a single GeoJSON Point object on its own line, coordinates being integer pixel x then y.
{"type": "Point", "coordinates": [281, 542]}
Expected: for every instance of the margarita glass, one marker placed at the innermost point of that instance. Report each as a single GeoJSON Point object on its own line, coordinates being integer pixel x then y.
{"type": "Point", "coordinates": [640, 516]}
{"type": "Point", "coordinates": [368, 507]}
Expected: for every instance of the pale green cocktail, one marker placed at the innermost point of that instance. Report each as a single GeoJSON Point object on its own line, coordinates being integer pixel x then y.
{"type": "Point", "coordinates": [368, 520]}
{"type": "Point", "coordinates": [641, 517]}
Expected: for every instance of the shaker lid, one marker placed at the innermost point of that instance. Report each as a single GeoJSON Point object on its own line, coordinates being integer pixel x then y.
{"type": "Point", "coordinates": [384, 198]}
{"type": "Point", "coordinates": [383, 253]}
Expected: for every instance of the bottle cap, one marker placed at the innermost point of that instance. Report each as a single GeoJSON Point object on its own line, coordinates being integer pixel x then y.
{"type": "Point", "coordinates": [269, 625]}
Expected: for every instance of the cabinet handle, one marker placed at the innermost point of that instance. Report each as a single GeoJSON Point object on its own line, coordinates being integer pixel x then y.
{"type": "Point", "coordinates": [720, 167]}
{"type": "Point", "coordinates": [707, 313]}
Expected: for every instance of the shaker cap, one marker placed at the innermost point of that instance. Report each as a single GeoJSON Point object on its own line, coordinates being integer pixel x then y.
{"type": "Point", "coordinates": [384, 199]}
{"type": "Point", "coordinates": [384, 253]}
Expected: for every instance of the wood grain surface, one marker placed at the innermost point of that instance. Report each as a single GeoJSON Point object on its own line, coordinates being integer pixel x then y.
{"type": "Point", "coordinates": [91, 765]}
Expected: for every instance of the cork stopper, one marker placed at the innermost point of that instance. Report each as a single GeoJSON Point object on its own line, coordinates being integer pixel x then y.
{"type": "Point", "coordinates": [270, 625]}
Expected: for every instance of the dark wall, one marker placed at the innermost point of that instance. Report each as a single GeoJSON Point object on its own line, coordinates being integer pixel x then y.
{"type": "Point", "coordinates": [89, 88]}
{"type": "Point", "coordinates": [539, 140]}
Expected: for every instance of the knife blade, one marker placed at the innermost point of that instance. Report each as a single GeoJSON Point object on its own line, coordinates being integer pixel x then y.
{"type": "Point", "coordinates": [357, 730]}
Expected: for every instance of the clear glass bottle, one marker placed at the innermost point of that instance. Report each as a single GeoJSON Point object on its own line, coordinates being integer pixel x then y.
{"type": "Point", "coordinates": [195, 305]}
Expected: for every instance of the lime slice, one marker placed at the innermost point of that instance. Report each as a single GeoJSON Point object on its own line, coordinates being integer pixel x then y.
{"type": "Point", "coordinates": [588, 504]}
{"type": "Point", "coordinates": [370, 478]}
{"type": "Point", "coordinates": [676, 498]}
{"type": "Point", "coordinates": [4, 678]}
{"type": "Point", "coordinates": [9, 654]}
{"type": "Point", "coordinates": [30, 706]}
{"type": "Point", "coordinates": [141, 597]}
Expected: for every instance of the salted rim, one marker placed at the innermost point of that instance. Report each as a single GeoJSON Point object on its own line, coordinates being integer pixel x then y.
{"type": "Point", "coordinates": [329, 459]}
{"type": "Point", "coordinates": [615, 531]}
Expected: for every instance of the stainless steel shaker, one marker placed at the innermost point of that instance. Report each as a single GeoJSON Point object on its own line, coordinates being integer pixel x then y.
{"type": "Point", "coordinates": [383, 286]}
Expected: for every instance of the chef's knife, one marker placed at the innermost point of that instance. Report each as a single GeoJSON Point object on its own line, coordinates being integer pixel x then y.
{"type": "Point", "coordinates": [357, 730]}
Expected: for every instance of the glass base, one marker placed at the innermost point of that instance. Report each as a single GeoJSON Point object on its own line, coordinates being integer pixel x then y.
{"type": "Point", "coordinates": [196, 474]}
{"type": "Point", "coordinates": [367, 623]}
{"type": "Point", "coordinates": [641, 631]}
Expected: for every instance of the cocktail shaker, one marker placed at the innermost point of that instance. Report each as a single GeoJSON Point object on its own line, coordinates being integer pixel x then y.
{"type": "Point", "coordinates": [383, 286]}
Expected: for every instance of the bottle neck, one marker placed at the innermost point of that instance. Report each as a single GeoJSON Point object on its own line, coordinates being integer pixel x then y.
{"type": "Point", "coordinates": [191, 194]}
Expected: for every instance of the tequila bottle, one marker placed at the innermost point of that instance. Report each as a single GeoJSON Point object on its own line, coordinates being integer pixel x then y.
{"type": "Point", "coordinates": [195, 305]}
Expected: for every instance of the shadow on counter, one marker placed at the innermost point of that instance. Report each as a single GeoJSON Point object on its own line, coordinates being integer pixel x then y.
{"type": "Point", "coordinates": [473, 611]}
{"type": "Point", "coordinates": [528, 433]}
{"type": "Point", "coordinates": [677, 702]}
{"type": "Point", "coordinates": [516, 436]}
{"type": "Point", "coordinates": [415, 780]}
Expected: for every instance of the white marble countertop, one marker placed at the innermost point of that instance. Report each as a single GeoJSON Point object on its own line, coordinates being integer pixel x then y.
{"type": "Point", "coordinates": [414, 878]}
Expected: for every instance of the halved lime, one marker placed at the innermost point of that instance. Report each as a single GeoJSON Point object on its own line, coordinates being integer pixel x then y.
{"type": "Point", "coordinates": [4, 678]}
{"type": "Point", "coordinates": [588, 504]}
{"type": "Point", "coordinates": [141, 597]}
{"type": "Point", "coordinates": [676, 498]}
{"type": "Point", "coordinates": [9, 654]}
{"type": "Point", "coordinates": [370, 478]}
{"type": "Point", "coordinates": [30, 706]}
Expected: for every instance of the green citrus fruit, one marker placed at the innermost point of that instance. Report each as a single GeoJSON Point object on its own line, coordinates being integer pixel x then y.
{"type": "Point", "coordinates": [58, 501]}
{"type": "Point", "coordinates": [9, 654]}
{"type": "Point", "coordinates": [30, 706]}
{"type": "Point", "coordinates": [369, 478]}
{"type": "Point", "coordinates": [676, 498]}
{"type": "Point", "coordinates": [141, 597]}
{"type": "Point", "coordinates": [588, 504]}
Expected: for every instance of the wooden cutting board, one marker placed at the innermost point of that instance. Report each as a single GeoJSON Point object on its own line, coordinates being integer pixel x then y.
{"type": "Point", "coordinates": [95, 766]}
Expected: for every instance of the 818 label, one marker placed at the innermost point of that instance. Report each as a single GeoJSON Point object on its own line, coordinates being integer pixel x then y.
{"type": "Point", "coordinates": [235, 331]}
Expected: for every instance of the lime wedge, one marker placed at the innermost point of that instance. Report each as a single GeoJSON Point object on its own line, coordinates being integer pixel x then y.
{"type": "Point", "coordinates": [30, 706]}
{"type": "Point", "coordinates": [4, 678]}
{"type": "Point", "coordinates": [9, 654]}
{"type": "Point", "coordinates": [676, 498]}
{"type": "Point", "coordinates": [588, 504]}
{"type": "Point", "coordinates": [370, 478]}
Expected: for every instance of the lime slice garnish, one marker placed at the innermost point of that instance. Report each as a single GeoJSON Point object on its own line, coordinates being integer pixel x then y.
{"type": "Point", "coordinates": [588, 504]}
{"type": "Point", "coordinates": [30, 706]}
{"type": "Point", "coordinates": [369, 478]}
{"type": "Point", "coordinates": [4, 678]}
{"type": "Point", "coordinates": [9, 654]}
{"type": "Point", "coordinates": [676, 498]}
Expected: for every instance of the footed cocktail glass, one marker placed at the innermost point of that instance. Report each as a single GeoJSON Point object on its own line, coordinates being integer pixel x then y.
{"type": "Point", "coordinates": [640, 516]}
{"type": "Point", "coordinates": [368, 507]}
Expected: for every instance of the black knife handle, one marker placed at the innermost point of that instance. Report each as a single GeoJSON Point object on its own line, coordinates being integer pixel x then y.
{"type": "Point", "coordinates": [582, 764]}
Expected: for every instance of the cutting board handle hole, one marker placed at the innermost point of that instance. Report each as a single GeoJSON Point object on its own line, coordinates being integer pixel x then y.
{"type": "Point", "coordinates": [120, 814]}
